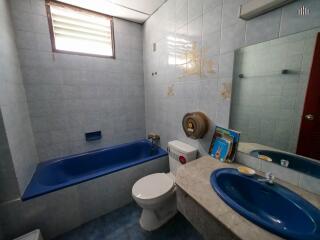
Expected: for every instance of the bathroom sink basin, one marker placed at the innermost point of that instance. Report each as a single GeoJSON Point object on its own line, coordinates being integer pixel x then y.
{"type": "Point", "coordinates": [272, 207]}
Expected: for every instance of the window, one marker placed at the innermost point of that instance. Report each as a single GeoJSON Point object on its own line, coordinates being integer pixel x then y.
{"type": "Point", "coordinates": [79, 31]}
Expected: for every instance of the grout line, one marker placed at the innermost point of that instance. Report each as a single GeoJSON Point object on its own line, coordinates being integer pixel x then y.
{"type": "Point", "coordinates": [150, 15]}
{"type": "Point", "coordinates": [221, 24]}
{"type": "Point", "coordinates": [299, 180]}
{"type": "Point", "coordinates": [10, 201]}
{"type": "Point", "coordinates": [202, 45]}
{"type": "Point", "coordinates": [132, 9]}
{"type": "Point", "coordinates": [280, 23]}
{"type": "Point", "coordinates": [245, 33]}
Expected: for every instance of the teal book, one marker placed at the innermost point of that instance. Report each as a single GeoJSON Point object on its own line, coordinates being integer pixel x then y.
{"type": "Point", "coordinates": [221, 149]}
{"type": "Point", "coordinates": [231, 136]}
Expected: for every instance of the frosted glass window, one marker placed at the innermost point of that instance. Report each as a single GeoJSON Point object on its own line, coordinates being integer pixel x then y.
{"type": "Point", "coordinates": [80, 31]}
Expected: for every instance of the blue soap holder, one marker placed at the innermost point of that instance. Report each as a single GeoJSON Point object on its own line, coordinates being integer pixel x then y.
{"type": "Point", "coordinates": [93, 136]}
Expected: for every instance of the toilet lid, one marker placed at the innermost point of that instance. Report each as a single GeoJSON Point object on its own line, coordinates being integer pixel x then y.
{"type": "Point", "coordinates": [152, 186]}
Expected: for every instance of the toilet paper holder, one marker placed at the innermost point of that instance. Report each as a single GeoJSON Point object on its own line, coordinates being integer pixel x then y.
{"type": "Point", "coordinates": [195, 125]}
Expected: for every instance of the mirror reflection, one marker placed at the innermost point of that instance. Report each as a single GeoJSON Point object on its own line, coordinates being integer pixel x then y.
{"type": "Point", "coordinates": [275, 100]}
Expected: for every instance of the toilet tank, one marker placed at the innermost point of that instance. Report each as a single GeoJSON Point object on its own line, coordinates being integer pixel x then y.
{"type": "Point", "coordinates": [180, 153]}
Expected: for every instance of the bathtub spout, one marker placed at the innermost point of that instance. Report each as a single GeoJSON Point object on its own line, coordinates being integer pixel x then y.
{"type": "Point", "coordinates": [153, 136]}
{"type": "Point", "coordinates": [154, 139]}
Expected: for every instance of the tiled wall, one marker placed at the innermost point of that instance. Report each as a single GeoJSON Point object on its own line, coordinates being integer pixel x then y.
{"type": "Point", "coordinates": [267, 106]}
{"type": "Point", "coordinates": [13, 105]}
{"type": "Point", "coordinates": [8, 181]}
{"type": "Point", "coordinates": [195, 42]}
{"type": "Point", "coordinates": [69, 95]}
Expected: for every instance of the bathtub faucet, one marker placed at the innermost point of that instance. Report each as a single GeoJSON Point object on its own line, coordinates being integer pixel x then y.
{"type": "Point", "coordinates": [154, 138]}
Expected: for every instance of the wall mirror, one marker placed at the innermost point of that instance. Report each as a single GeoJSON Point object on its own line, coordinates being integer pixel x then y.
{"type": "Point", "coordinates": [276, 101]}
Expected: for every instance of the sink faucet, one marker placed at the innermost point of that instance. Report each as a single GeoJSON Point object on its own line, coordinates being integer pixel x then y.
{"type": "Point", "coordinates": [284, 163]}
{"type": "Point", "coordinates": [269, 178]}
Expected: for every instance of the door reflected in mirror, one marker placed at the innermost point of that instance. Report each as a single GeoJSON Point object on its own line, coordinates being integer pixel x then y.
{"type": "Point", "coordinates": [276, 99]}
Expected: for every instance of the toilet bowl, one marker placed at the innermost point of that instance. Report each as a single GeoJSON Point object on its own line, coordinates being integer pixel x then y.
{"type": "Point", "coordinates": [155, 193]}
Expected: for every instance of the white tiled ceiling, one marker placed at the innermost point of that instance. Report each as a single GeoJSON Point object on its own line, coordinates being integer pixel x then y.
{"type": "Point", "coordinates": [132, 10]}
{"type": "Point", "coordinates": [145, 6]}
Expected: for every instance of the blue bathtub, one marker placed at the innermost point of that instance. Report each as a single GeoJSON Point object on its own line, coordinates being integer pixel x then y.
{"type": "Point", "coordinates": [67, 171]}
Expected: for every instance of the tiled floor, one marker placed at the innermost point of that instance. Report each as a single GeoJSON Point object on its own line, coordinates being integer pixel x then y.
{"type": "Point", "coordinates": [123, 224]}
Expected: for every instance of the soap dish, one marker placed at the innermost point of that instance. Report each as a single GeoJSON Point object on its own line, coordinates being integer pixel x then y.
{"type": "Point", "coordinates": [264, 158]}
{"type": "Point", "coordinates": [246, 171]}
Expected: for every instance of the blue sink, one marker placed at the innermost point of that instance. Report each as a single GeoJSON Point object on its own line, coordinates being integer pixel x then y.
{"type": "Point", "coordinates": [272, 207]}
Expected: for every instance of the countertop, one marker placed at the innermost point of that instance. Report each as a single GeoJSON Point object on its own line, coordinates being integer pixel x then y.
{"type": "Point", "coordinates": [194, 179]}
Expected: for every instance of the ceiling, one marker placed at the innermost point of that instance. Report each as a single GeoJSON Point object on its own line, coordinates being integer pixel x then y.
{"type": "Point", "coordinates": [133, 10]}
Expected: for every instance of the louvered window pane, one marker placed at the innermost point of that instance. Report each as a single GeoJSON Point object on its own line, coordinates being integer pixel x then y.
{"type": "Point", "coordinates": [80, 31]}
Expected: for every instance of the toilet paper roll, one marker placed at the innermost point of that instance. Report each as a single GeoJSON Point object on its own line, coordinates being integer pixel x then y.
{"type": "Point", "coordinates": [195, 125]}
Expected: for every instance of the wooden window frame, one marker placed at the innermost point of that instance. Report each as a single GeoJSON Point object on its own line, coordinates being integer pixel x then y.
{"type": "Point", "coordinates": [52, 38]}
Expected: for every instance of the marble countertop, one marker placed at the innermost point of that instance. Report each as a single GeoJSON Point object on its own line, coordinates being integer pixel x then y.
{"type": "Point", "coordinates": [194, 179]}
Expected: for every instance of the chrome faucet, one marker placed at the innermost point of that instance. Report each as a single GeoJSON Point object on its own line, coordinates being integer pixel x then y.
{"type": "Point", "coordinates": [284, 163]}
{"type": "Point", "coordinates": [269, 178]}
{"type": "Point", "coordinates": [153, 136]}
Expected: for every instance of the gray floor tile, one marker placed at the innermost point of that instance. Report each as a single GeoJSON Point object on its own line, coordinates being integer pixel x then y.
{"type": "Point", "coordinates": [123, 224]}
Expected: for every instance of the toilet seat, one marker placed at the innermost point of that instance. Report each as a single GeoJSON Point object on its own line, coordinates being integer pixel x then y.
{"type": "Point", "coordinates": [152, 186]}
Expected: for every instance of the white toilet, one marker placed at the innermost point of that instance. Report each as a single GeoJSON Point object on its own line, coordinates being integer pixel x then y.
{"type": "Point", "coordinates": [155, 193]}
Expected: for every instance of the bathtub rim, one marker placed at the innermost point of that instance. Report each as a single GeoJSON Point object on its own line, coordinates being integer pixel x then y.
{"type": "Point", "coordinates": [58, 159]}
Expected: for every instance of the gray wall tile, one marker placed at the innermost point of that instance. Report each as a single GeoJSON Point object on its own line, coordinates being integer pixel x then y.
{"type": "Point", "coordinates": [230, 12]}
{"type": "Point", "coordinates": [232, 37]}
{"type": "Point", "coordinates": [248, 160]}
{"type": "Point", "coordinates": [181, 13]}
{"type": "Point", "coordinates": [194, 9]}
{"type": "Point", "coordinates": [8, 181]}
{"type": "Point", "coordinates": [209, 4]}
{"type": "Point", "coordinates": [291, 22]}
{"type": "Point", "coordinates": [270, 23]}
{"type": "Point", "coordinates": [15, 115]}
{"type": "Point", "coordinates": [69, 94]}
{"type": "Point", "coordinates": [310, 183]}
